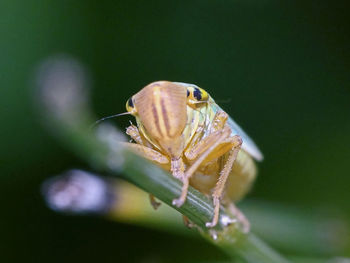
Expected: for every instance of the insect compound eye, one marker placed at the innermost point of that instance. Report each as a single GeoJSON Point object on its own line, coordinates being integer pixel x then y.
{"type": "Point", "coordinates": [130, 106]}
{"type": "Point", "coordinates": [130, 103]}
{"type": "Point", "coordinates": [197, 94]}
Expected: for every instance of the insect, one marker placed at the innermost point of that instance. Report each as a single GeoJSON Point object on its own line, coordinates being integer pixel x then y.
{"type": "Point", "coordinates": [182, 129]}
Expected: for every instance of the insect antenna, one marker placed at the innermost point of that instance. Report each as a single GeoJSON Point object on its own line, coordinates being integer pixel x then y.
{"type": "Point", "coordinates": [108, 117]}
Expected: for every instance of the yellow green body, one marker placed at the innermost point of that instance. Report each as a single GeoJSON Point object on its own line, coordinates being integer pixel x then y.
{"type": "Point", "coordinates": [204, 179]}
{"type": "Point", "coordinates": [183, 130]}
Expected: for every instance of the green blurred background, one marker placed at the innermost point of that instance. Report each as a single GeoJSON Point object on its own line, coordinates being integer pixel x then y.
{"type": "Point", "coordinates": [279, 68]}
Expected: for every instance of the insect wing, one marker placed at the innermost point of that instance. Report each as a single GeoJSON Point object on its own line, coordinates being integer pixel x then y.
{"type": "Point", "coordinates": [248, 145]}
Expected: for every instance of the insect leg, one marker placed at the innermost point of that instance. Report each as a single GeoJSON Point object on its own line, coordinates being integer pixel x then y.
{"type": "Point", "coordinates": [178, 171]}
{"type": "Point", "coordinates": [147, 153]}
{"type": "Point", "coordinates": [151, 155]}
{"type": "Point", "coordinates": [133, 132]}
{"type": "Point", "coordinates": [206, 150]}
{"type": "Point", "coordinates": [219, 121]}
{"type": "Point", "coordinates": [220, 185]}
{"type": "Point", "coordinates": [217, 125]}
{"type": "Point", "coordinates": [154, 202]}
{"type": "Point", "coordinates": [187, 222]}
{"type": "Point", "coordinates": [137, 136]}
{"type": "Point", "coordinates": [240, 216]}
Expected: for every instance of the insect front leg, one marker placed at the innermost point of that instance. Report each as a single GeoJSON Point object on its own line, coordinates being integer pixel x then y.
{"type": "Point", "coordinates": [137, 136]}
{"type": "Point", "coordinates": [220, 185]}
{"type": "Point", "coordinates": [154, 202]}
{"type": "Point", "coordinates": [147, 153]}
{"type": "Point", "coordinates": [152, 155]}
{"type": "Point", "coordinates": [205, 151]}
{"type": "Point", "coordinates": [219, 121]}
{"type": "Point", "coordinates": [178, 169]}
{"type": "Point", "coordinates": [134, 133]}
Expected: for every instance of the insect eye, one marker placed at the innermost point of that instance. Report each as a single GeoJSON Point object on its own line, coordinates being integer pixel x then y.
{"type": "Point", "coordinates": [196, 94]}
{"type": "Point", "coordinates": [130, 105]}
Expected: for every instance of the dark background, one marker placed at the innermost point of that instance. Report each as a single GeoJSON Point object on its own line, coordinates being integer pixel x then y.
{"type": "Point", "coordinates": [280, 69]}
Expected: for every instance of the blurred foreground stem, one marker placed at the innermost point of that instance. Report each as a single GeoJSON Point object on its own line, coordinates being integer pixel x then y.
{"type": "Point", "coordinates": [64, 100]}
{"type": "Point", "coordinates": [198, 209]}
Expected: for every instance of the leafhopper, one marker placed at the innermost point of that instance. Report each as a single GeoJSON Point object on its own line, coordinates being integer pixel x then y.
{"type": "Point", "coordinates": [181, 128]}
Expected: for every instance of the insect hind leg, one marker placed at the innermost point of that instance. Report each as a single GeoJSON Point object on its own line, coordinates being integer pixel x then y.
{"type": "Point", "coordinates": [225, 172]}
{"type": "Point", "coordinates": [240, 217]}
